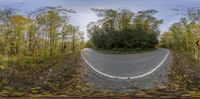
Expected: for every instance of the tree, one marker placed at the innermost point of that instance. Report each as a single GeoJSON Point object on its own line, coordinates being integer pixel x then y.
{"type": "Point", "coordinates": [17, 36]}
{"type": "Point", "coordinates": [124, 29]}
{"type": "Point", "coordinates": [5, 15]}
{"type": "Point", "coordinates": [182, 35]}
{"type": "Point", "coordinates": [42, 32]}
{"type": "Point", "coordinates": [52, 20]}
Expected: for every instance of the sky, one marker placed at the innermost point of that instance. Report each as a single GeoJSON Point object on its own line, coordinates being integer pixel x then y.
{"type": "Point", "coordinates": [84, 15]}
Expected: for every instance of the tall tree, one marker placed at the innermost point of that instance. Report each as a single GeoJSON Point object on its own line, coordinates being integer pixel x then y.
{"type": "Point", "coordinates": [124, 29]}
{"type": "Point", "coordinates": [18, 26]}
{"type": "Point", "coordinates": [5, 20]}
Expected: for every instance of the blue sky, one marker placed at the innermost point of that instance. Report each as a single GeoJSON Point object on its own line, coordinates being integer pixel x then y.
{"type": "Point", "coordinates": [84, 15]}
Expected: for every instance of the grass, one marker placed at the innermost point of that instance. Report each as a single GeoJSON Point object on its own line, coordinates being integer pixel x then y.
{"type": "Point", "coordinates": [125, 51]}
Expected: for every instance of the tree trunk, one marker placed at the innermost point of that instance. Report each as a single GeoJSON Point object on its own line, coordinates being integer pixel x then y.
{"type": "Point", "coordinates": [73, 42]}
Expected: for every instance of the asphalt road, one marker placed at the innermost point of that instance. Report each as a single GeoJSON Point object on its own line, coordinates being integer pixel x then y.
{"type": "Point", "coordinates": [107, 70]}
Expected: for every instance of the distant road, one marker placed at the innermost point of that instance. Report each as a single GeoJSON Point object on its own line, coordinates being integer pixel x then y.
{"type": "Point", "coordinates": [125, 66]}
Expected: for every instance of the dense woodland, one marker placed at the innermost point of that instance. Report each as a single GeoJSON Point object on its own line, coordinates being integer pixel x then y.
{"type": "Point", "coordinates": [124, 29]}
{"type": "Point", "coordinates": [38, 51]}
{"type": "Point", "coordinates": [40, 32]}
{"type": "Point", "coordinates": [182, 35]}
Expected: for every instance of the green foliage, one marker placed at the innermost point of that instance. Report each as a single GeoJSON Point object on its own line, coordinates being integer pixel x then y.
{"type": "Point", "coordinates": [43, 32]}
{"type": "Point", "coordinates": [124, 29]}
{"type": "Point", "coordinates": [37, 52]}
{"type": "Point", "coordinates": [90, 44]}
{"type": "Point", "coordinates": [125, 50]}
{"type": "Point", "coordinates": [182, 37]}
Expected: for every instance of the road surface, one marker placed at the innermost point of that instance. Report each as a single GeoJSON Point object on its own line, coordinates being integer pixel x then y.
{"type": "Point", "coordinates": [113, 71]}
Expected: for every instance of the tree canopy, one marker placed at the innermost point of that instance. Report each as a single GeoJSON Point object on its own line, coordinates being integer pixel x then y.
{"type": "Point", "coordinates": [40, 32]}
{"type": "Point", "coordinates": [182, 35]}
{"type": "Point", "coordinates": [124, 29]}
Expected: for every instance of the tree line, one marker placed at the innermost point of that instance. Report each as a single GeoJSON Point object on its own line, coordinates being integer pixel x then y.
{"type": "Point", "coordinates": [124, 29]}
{"type": "Point", "coordinates": [40, 32]}
{"type": "Point", "coordinates": [182, 35]}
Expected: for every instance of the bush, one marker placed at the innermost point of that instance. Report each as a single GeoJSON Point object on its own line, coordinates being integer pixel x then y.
{"type": "Point", "coordinates": [90, 44]}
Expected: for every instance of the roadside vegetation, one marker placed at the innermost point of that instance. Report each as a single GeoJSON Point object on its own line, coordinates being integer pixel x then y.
{"type": "Point", "coordinates": [126, 51]}
{"type": "Point", "coordinates": [59, 76]}
{"type": "Point", "coordinates": [181, 38]}
{"type": "Point", "coordinates": [41, 32]}
{"type": "Point", "coordinates": [182, 35]}
{"type": "Point", "coordinates": [123, 29]}
{"type": "Point", "coordinates": [38, 52]}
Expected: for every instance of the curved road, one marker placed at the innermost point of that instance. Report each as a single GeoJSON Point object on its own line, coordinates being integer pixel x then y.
{"type": "Point", "coordinates": [127, 66]}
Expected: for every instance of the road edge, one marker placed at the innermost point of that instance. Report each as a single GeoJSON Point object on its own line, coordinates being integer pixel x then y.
{"type": "Point", "coordinates": [126, 78]}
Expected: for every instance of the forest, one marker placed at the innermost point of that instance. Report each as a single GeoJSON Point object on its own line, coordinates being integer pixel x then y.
{"type": "Point", "coordinates": [40, 32]}
{"type": "Point", "coordinates": [124, 29]}
{"type": "Point", "coordinates": [40, 51]}
{"type": "Point", "coordinates": [183, 34]}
